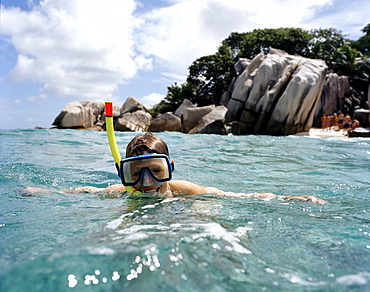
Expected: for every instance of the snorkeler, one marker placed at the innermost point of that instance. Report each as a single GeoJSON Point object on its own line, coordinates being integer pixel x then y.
{"type": "Point", "coordinates": [147, 171]}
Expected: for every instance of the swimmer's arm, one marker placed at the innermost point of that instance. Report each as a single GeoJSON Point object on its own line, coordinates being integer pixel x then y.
{"type": "Point", "coordinates": [312, 199]}
{"type": "Point", "coordinates": [180, 187]}
{"type": "Point", "coordinates": [114, 188]}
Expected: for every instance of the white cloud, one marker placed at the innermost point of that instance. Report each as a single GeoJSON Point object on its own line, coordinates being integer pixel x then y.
{"type": "Point", "coordinates": [41, 99]}
{"type": "Point", "coordinates": [30, 3]}
{"type": "Point", "coordinates": [188, 29]}
{"type": "Point", "coordinates": [152, 99]}
{"type": "Point", "coordinates": [18, 101]}
{"type": "Point", "coordinates": [81, 48]}
{"type": "Point", "coordinates": [348, 17]}
{"type": "Point", "coordinates": [84, 49]}
{"type": "Point", "coordinates": [170, 77]}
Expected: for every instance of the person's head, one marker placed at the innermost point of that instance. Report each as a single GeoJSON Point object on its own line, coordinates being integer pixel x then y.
{"type": "Point", "coordinates": [147, 165]}
{"type": "Point", "coordinates": [146, 143]}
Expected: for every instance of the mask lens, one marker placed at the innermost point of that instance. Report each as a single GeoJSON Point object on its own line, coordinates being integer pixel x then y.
{"type": "Point", "coordinates": [157, 166]}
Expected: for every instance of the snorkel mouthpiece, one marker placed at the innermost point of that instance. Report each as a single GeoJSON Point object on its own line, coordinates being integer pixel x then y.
{"type": "Point", "coordinates": [133, 192]}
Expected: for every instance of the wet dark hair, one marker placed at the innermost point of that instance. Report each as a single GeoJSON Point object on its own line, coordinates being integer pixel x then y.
{"type": "Point", "coordinates": [146, 143]}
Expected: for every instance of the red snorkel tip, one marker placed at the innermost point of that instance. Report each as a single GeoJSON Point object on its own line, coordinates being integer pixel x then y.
{"type": "Point", "coordinates": [108, 109]}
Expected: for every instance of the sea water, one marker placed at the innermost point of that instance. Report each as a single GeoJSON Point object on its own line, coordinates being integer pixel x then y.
{"type": "Point", "coordinates": [95, 242]}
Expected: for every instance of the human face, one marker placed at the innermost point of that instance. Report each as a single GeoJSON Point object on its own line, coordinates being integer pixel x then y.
{"type": "Point", "coordinates": [146, 172]}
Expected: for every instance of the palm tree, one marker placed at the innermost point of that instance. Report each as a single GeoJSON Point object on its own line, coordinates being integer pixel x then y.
{"type": "Point", "coordinates": [347, 61]}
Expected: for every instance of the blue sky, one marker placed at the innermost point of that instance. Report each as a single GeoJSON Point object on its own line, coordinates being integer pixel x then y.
{"type": "Point", "coordinates": [57, 51]}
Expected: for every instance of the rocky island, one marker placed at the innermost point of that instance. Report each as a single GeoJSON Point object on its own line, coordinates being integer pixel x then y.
{"type": "Point", "coordinates": [273, 94]}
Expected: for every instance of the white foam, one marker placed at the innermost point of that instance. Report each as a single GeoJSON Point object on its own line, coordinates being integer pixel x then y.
{"type": "Point", "coordinates": [361, 278]}
{"type": "Point", "coordinates": [217, 231]}
{"type": "Point", "coordinates": [298, 280]}
{"type": "Point", "coordinates": [117, 222]}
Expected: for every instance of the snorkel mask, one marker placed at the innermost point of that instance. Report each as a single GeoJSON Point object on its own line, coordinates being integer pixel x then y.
{"type": "Point", "coordinates": [133, 170]}
{"type": "Point", "coordinates": [145, 168]}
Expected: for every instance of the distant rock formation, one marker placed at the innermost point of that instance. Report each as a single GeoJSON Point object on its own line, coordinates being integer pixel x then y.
{"type": "Point", "coordinates": [360, 133]}
{"type": "Point", "coordinates": [193, 119]}
{"type": "Point", "coordinates": [273, 94]}
{"type": "Point", "coordinates": [84, 114]}
{"type": "Point", "coordinates": [184, 105]}
{"type": "Point", "coordinates": [363, 116]}
{"type": "Point", "coordinates": [191, 116]}
{"type": "Point", "coordinates": [133, 117]}
{"type": "Point", "coordinates": [338, 95]}
{"type": "Point", "coordinates": [212, 123]}
{"type": "Point", "coordinates": [165, 122]}
{"type": "Point", "coordinates": [333, 94]}
{"type": "Point", "coordinates": [276, 94]}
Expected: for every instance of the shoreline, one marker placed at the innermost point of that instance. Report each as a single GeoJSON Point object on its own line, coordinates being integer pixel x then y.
{"type": "Point", "coordinates": [321, 133]}
{"type": "Point", "coordinates": [312, 133]}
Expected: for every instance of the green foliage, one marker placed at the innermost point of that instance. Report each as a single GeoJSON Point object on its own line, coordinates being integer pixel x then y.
{"type": "Point", "coordinates": [175, 96]}
{"type": "Point", "coordinates": [363, 43]}
{"type": "Point", "coordinates": [366, 29]}
{"type": "Point", "coordinates": [346, 60]}
{"type": "Point", "coordinates": [353, 61]}
{"type": "Point", "coordinates": [210, 76]}
{"type": "Point", "coordinates": [324, 43]}
{"type": "Point", "coordinates": [316, 44]}
{"type": "Point", "coordinates": [235, 43]}
{"type": "Point", "coordinates": [291, 40]}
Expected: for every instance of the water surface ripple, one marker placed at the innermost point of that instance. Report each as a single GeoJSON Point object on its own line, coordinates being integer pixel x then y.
{"type": "Point", "coordinates": [95, 242]}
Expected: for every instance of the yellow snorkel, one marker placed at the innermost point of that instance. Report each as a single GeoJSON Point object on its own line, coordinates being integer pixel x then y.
{"type": "Point", "coordinates": [113, 143]}
{"type": "Point", "coordinates": [110, 133]}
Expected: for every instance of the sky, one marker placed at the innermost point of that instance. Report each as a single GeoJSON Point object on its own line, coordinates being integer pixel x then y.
{"type": "Point", "coordinates": [53, 52]}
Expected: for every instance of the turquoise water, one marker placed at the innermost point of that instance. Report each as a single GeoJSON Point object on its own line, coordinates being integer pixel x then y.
{"type": "Point", "coordinates": [90, 242]}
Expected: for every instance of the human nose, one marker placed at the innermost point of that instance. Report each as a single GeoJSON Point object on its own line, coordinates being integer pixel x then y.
{"type": "Point", "coordinates": [147, 179]}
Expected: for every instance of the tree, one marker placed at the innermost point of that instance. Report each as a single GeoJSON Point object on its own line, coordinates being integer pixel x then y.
{"type": "Point", "coordinates": [235, 43]}
{"type": "Point", "coordinates": [324, 43]}
{"type": "Point", "coordinates": [345, 60]}
{"type": "Point", "coordinates": [175, 96]}
{"type": "Point", "coordinates": [350, 62]}
{"type": "Point", "coordinates": [210, 76]}
{"type": "Point", "coordinates": [363, 43]}
{"type": "Point", "coordinates": [317, 43]}
{"type": "Point", "coordinates": [291, 40]}
{"type": "Point", "coordinates": [366, 29]}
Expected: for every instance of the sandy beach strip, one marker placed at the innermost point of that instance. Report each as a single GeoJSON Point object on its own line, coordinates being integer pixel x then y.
{"type": "Point", "coordinates": [321, 133]}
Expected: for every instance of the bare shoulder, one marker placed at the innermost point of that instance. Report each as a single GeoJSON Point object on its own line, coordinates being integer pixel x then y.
{"type": "Point", "coordinates": [183, 187]}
